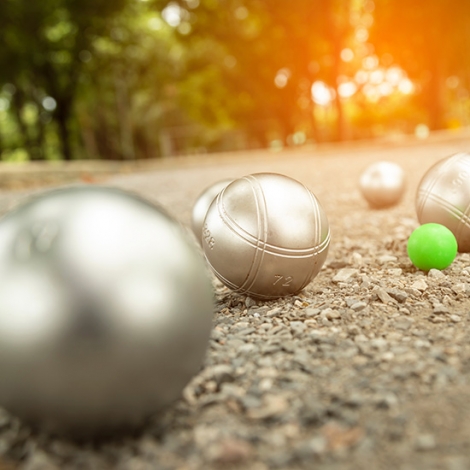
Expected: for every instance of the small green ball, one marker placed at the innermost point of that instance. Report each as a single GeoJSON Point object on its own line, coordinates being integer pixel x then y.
{"type": "Point", "coordinates": [432, 246]}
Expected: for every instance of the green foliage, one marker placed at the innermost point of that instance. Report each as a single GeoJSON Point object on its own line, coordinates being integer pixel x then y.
{"type": "Point", "coordinates": [42, 43]}
{"type": "Point", "coordinates": [125, 79]}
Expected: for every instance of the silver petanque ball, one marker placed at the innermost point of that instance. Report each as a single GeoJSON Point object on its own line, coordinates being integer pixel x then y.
{"type": "Point", "coordinates": [202, 204]}
{"type": "Point", "coordinates": [382, 184]}
{"type": "Point", "coordinates": [443, 197]}
{"type": "Point", "coordinates": [105, 310]}
{"type": "Point", "coordinates": [266, 235]}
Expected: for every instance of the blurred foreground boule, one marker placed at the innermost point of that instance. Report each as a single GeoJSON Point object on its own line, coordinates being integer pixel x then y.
{"type": "Point", "coordinates": [266, 235]}
{"type": "Point", "coordinates": [105, 310]}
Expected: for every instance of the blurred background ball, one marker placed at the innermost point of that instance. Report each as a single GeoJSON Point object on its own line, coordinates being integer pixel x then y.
{"type": "Point", "coordinates": [202, 204]}
{"type": "Point", "coordinates": [382, 184]}
{"type": "Point", "coordinates": [266, 235]}
{"type": "Point", "coordinates": [443, 197]}
{"type": "Point", "coordinates": [105, 310]}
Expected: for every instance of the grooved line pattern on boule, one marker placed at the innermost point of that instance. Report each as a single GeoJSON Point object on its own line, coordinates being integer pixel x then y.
{"type": "Point", "coordinates": [268, 248]}
{"type": "Point", "coordinates": [261, 239]}
{"type": "Point", "coordinates": [462, 217]}
{"type": "Point", "coordinates": [317, 241]}
{"type": "Point", "coordinates": [426, 192]}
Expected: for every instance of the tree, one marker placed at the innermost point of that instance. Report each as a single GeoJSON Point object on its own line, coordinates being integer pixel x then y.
{"type": "Point", "coordinates": [43, 46]}
{"type": "Point", "coordinates": [430, 41]}
{"type": "Point", "coordinates": [267, 54]}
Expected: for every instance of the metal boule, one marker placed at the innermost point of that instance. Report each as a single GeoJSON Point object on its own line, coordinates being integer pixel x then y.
{"type": "Point", "coordinates": [105, 310]}
{"type": "Point", "coordinates": [266, 235]}
{"type": "Point", "coordinates": [443, 197]}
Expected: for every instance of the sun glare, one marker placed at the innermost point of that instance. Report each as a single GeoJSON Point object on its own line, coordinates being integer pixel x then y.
{"type": "Point", "coordinates": [347, 89]}
{"type": "Point", "coordinates": [322, 94]}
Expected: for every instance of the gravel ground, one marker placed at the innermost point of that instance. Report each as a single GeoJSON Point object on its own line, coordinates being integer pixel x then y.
{"type": "Point", "coordinates": [368, 367]}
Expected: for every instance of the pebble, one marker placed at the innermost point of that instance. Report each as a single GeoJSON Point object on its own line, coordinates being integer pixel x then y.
{"type": "Point", "coordinates": [420, 285]}
{"type": "Point", "coordinates": [383, 295]}
{"type": "Point", "coordinates": [425, 442]}
{"type": "Point", "coordinates": [436, 274]}
{"type": "Point", "coordinates": [345, 274]}
{"type": "Point", "coordinates": [358, 306]}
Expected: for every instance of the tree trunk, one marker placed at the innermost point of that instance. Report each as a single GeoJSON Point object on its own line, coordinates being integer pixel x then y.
{"type": "Point", "coordinates": [125, 127]}
{"type": "Point", "coordinates": [61, 118]}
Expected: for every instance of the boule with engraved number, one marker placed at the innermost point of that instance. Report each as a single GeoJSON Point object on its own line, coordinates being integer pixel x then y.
{"type": "Point", "coordinates": [443, 197]}
{"type": "Point", "coordinates": [266, 235]}
{"type": "Point", "coordinates": [382, 184]}
{"type": "Point", "coordinates": [105, 310]}
{"type": "Point", "coordinates": [203, 203]}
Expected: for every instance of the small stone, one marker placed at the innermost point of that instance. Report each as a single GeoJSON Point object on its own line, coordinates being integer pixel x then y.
{"type": "Point", "coordinates": [419, 284]}
{"type": "Point", "coordinates": [439, 309]}
{"type": "Point", "coordinates": [356, 259]}
{"type": "Point", "coordinates": [330, 314]}
{"type": "Point", "coordinates": [436, 274]}
{"type": "Point", "coordinates": [274, 312]}
{"type": "Point", "coordinates": [365, 281]}
{"type": "Point", "coordinates": [220, 373]}
{"type": "Point", "coordinates": [297, 327]}
{"type": "Point", "coordinates": [358, 306]}
{"type": "Point", "coordinates": [249, 302]}
{"type": "Point", "coordinates": [459, 287]}
{"type": "Point", "coordinates": [397, 294]}
{"type": "Point", "coordinates": [230, 390]}
{"type": "Point", "coordinates": [316, 446]}
{"type": "Point", "coordinates": [383, 296]}
{"type": "Point", "coordinates": [272, 406]}
{"type": "Point", "coordinates": [403, 323]}
{"type": "Point", "coordinates": [425, 442]}
{"type": "Point", "coordinates": [455, 318]}
{"type": "Point", "coordinates": [229, 451]}
{"type": "Point", "coordinates": [386, 259]}
{"type": "Point", "coordinates": [387, 400]}
{"type": "Point", "coordinates": [345, 274]}
{"type": "Point", "coordinates": [312, 312]}
{"type": "Point", "coordinates": [395, 272]}
{"type": "Point", "coordinates": [337, 264]}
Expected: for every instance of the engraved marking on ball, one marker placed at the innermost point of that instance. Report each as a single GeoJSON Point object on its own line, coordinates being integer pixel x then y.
{"type": "Point", "coordinates": [459, 180]}
{"type": "Point", "coordinates": [206, 233]}
{"type": "Point", "coordinates": [287, 280]}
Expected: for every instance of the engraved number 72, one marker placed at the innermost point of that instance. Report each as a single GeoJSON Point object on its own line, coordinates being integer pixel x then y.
{"type": "Point", "coordinates": [286, 281]}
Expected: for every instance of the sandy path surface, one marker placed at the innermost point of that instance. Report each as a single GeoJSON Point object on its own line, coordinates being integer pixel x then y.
{"type": "Point", "coordinates": [368, 367]}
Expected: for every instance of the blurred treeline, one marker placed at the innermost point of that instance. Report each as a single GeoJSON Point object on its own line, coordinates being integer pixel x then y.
{"type": "Point", "coordinates": [131, 79]}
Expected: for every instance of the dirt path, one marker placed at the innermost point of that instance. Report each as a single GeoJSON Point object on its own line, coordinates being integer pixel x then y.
{"type": "Point", "coordinates": [368, 367]}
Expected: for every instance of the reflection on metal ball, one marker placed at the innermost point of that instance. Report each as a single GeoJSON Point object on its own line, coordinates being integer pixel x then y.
{"type": "Point", "coordinates": [382, 184]}
{"type": "Point", "coordinates": [266, 235]}
{"type": "Point", "coordinates": [202, 204]}
{"type": "Point", "coordinates": [443, 197]}
{"type": "Point", "coordinates": [105, 310]}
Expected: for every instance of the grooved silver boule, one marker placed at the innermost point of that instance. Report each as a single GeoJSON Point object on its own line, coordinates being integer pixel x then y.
{"type": "Point", "coordinates": [105, 310]}
{"type": "Point", "coordinates": [266, 235]}
{"type": "Point", "coordinates": [382, 184]}
{"type": "Point", "coordinates": [202, 204]}
{"type": "Point", "coordinates": [443, 197]}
